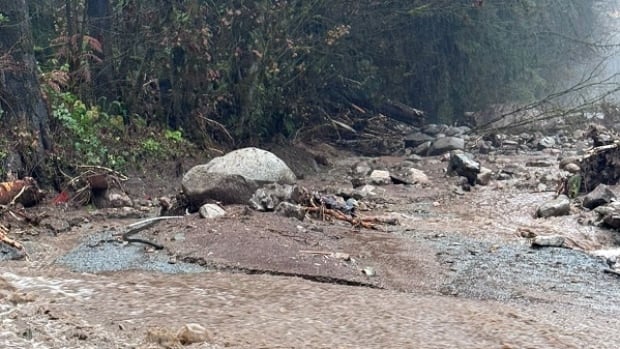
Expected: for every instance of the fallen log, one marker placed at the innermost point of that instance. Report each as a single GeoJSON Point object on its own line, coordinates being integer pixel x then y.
{"type": "Point", "coordinates": [402, 112]}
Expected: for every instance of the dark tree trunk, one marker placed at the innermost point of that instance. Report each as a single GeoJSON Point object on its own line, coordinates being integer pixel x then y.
{"type": "Point", "coordinates": [99, 27]}
{"type": "Point", "coordinates": [21, 102]}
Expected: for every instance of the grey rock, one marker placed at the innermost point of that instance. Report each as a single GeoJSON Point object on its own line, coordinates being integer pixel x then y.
{"type": "Point", "coordinates": [484, 177]}
{"type": "Point", "coordinates": [457, 130]}
{"type": "Point", "coordinates": [414, 139]}
{"type": "Point", "coordinates": [211, 211]}
{"type": "Point", "coordinates": [538, 163]}
{"type": "Point", "coordinates": [612, 220]}
{"type": "Point", "coordinates": [288, 209]}
{"type": "Point", "coordinates": [269, 196]}
{"type": "Point", "coordinates": [545, 142]}
{"type": "Point", "coordinates": [484, 147]}
{"type": "Point", "coordinates": [601, 195]}
{"type": "Point", "coordinates": [446, 144]}
{"type": "Point", "coordinates": [418, 176]}
{"type": "Point", "coordinates": [557, 207]}
{"type": "Point", "coordinates": [380, 177]}
{"type": "Point", "coordinates": [361, 168]}
{"type": "Point", "coordinates": [464, 165]}
{"type": "Point", "coordinates": [572, 167]}
{"type": "Point", "coordinates": [422, 149]}
{"type": "Point", "coordinates": [434, 129]}
{"type": "Point", "coordinates": [548, 241]}
{"type": "Point", "coordinates": [254, 164]}
{"type": "Point", "coordinates": [200, 186]}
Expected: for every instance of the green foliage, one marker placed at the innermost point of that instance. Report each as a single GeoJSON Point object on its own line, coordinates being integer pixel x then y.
{"type": "Point", "coordinates": [152, 146]}
{"type": "Point", "coordinates": [81, 121]}
{"type": "Point", "coordinates": [175, 136]}
{"type": "Point", "coordinates": [3, 18]}
{"type": "Point", "coordinates": [250, 70]}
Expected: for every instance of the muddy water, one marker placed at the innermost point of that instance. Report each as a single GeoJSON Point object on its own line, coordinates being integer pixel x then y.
{"type": "Point", "coordinates": [484, 287]}
{"type": "Point", "coordinates": [272, 312]}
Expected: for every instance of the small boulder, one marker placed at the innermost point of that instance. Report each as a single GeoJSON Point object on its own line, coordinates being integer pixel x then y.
{"type": "Point", "coordinates": [545, 142]}
{"type": "Point", "coordinates": [269, 196]}
{"type": "Point", "coordinates": [556, 207]}
{"type": "Point", "coordinates": [211, 211]}
{"type": "Point", "coordinates": [193, 333]}
{"type": "Point", "coordinates": [422, 149]}
{"type": "Point", "coordinates": [414, 139]}
{"type": "Point", "coordinates": [464, 165]}
{"type": "Point", "coordinates": [572, 167]}
{"type": "Point", "coordinates": [288, 209]}
{"type": "Point", "coordinates": [380, 177]}
{"type": "Point", "coordinates": [446, 144]}
{"type": "Point", "coordinates": [601, 195]}
{"type": "Point", "coordinates": [361, 168]}
{"type": "Point", "coordinates": [418, 176]}
{"type": "Point", "coordinates": [484, 177]}
{"type": "Point", "coordinates": [548, 241]}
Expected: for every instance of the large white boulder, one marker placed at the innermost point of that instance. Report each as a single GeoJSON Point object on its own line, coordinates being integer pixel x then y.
{"type": "Point", "coordinates": [254, 164]}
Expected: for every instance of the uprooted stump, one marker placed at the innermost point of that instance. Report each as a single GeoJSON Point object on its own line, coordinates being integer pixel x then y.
{"type": "Point", "coordinates": [601, 165]}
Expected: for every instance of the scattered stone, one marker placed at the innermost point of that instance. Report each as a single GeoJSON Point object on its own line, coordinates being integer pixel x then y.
{"type": "Point", "coordinates": [548, 241]}
{"type": "Point", "coordinates": [557, 207]}
{"type": "Point", "coordinates": [545, 142]}
{"type": "Point", "coordinates": [415, 139]}
{"type": "Point", "coordinates": [117, 198]}
{"type": "Point", "coordinates": [539, 163]}
{"type": "Point", "coordinates": [434, 129]}
{"type": "Point", "coordinates": [288, 209]}
{"type": "Point", "coordinates": [193, 333]}
{"type": "Point", "coordinates": [446, 144]}
{"type": "Point", "coordinates": [211, 211]}
{"type": "Point", "coordinates": [269, 196]}
{"type": "Point", "coordinates": [464, 165]}
{"type": "Point", "coordinates": [612, 220]}
{"type": "Point", "coordinates": [361, 168]}
{"type": "Point", "coordinates": [422, 149]}
{"type": "Point", "coordinates": [200, 186]}
{"type": "Point", "coordinates": [457, 130]}
{"type": "Point", "coordinates": [484, 147]}
{"type": "Point", "coordinates": [254, 164]}
{"type": "Point", "coordinates": [367, 190]}
{"type": "Point", "coordinates": [484, 177]}
{"type": "Point", "coordinates": [418, 176]}
{"type": "Point", "coordinates": [341, 255]}
{"type": "Point", "coordinates": [380, 177]}
{"type": "Point", "coordinates": [572, 167]}
{"type": "Point", "coordinates": [55, 224]}
{"type": "Point", "coordinates": [369, 271]}
{"type": "Point", "coordinates": [601, 195]}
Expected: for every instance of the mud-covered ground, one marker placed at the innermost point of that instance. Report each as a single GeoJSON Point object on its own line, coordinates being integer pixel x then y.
{"type": "Point", "coordinates": [455, 273]}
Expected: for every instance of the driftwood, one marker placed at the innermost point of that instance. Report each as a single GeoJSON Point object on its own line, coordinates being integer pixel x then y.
{"type": "Point", "coordinates": [6, 240]}
{"type": "Point", "coordinates": [402, 112]}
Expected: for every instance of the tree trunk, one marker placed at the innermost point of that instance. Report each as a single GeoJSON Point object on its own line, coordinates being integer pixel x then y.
{"type": "Point", "coordinates": [99, 27]}
{"type": "Point", "coordinates": [22, 107]}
